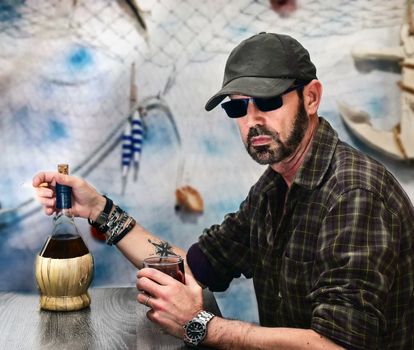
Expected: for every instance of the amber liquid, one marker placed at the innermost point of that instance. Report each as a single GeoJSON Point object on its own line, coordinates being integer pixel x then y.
{"type": "Point", "coordinates": [168, 266]}
{"type": "Point", "coordinates": [175, 271]}
{"type": "Point", "coordinates": [64, 246]}
{"type": "Point", "coordinates": [64, 271]}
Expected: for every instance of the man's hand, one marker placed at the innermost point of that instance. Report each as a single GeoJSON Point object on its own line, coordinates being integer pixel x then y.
{"type": "Point", "coordinates": [87, 202]}
{"type": "Point", "coordinates": [172, 303]}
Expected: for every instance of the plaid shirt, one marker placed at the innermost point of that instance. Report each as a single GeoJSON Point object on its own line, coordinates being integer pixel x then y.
{"type": "Point", "coordinates": [334, 253]}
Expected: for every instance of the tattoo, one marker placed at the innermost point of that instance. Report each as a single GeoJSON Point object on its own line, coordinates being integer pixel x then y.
{"type": "Point", "coordinates": [162, 248]}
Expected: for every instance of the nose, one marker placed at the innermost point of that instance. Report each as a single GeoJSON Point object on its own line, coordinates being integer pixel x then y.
{"type": "Point", "coordinates": [254, 115]}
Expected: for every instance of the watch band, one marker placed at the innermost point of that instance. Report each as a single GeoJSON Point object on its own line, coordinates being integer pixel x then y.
{"type": "Point", "coordinates": [203, 318]}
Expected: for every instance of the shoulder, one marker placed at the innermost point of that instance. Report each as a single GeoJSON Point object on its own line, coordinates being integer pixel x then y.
{"type": "Point", "coordinates": [352, 170]}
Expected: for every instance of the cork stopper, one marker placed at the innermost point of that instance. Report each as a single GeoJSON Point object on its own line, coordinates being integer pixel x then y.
{"type": "Point", "coordinates": [63, 192]}
{"type": "Point", "coordinates": [63, 169]}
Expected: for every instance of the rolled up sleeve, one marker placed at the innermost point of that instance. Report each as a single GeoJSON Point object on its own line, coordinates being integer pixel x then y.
{"type": "Point", "coordinates": [354, 270]}
{"type": "Point", "coordinates": [227, 246]}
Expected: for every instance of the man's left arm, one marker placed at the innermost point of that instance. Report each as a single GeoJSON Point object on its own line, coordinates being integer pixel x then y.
{"type": "Point", "coordinates": [354, 270]}
{"type": "Point", "coordinates": [173, 304]}
{"type": "Point", "coordinates": [230, 334]}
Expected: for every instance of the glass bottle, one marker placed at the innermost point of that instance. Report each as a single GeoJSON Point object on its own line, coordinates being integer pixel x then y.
{"type": "Point", "coordinates": [64, 266]}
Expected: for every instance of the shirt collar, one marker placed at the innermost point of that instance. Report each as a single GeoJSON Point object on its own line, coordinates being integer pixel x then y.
{"type": "Point", "coordinates": [270, 180]}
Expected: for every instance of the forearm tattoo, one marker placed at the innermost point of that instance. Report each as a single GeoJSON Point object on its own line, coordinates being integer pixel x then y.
{"type": "Point", "coordinates": [162, 248]}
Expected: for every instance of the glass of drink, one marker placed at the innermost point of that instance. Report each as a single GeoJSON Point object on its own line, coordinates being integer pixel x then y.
{"type": "Point", "coordinates": [172, 265]}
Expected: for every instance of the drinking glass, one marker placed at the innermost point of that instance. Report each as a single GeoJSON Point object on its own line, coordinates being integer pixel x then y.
{"type": "Point", "coordinates": [172, 265]}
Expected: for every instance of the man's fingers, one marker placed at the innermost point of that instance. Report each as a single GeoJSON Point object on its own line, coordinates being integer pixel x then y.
{"type": "Point", "coordinates": [155, 275]}
{"type": "Point", "coordinates": [67, 180]}
{"type": "Point", "coordinates": [44, 192]}
{"type": "Point", "coordinates": [44, 178]}
{"type": "Point", "coordinates": [144, 299]}
{"type": "Point", "coordinates": [51, 178]}
{"type": "Point", "coordinates": [49, 211]}
{"type": "Point", "coordinates": [149, 286]}
{"type": "Point", "coordinates": [47, 202]}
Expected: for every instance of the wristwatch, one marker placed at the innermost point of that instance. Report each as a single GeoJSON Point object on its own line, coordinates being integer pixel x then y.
{"type": "Point", "coordinates": [195, 330]}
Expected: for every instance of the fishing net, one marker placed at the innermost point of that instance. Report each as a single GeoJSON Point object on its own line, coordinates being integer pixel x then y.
{"type": "Point", "coordinates": [66, 67]}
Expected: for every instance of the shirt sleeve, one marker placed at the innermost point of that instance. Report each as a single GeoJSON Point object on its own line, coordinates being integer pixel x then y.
{"type": "Point", "coordinates": [357, 251]}
{"type": "Point", "coordinates": [227, 246]}
{"type": "Point", "coordinates": [203, 271]}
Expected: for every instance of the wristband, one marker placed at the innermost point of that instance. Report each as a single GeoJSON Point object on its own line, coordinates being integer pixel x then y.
{"type": "Point", "coordinates": [123, 233]}
{"type": "Point", "coordinates": [102, 219]}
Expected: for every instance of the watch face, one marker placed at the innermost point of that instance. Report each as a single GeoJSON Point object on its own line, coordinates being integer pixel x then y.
{"type": "Point", "coordinates": [196, 331]}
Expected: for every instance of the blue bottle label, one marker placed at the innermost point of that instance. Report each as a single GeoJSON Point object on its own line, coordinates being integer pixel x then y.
{"type": "Point", "coordinates": [63, 197]}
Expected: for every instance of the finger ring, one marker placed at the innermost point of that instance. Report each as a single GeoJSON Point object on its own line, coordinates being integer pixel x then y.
{"type": "Point", "coordinates": [147, 300]}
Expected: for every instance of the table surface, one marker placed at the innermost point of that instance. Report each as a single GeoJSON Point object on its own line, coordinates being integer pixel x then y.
{"type": "Point", "coordinates": [115, 320]}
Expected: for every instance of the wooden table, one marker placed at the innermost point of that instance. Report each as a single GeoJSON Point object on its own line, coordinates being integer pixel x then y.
{"type": "Point", "coordinates": [115, 320]}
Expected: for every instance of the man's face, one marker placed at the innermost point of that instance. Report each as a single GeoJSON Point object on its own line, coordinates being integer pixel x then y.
{"type": "Point", "coordinates": [271, 137]}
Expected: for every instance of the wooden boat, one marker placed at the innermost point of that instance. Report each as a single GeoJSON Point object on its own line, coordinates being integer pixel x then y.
{"type": "Point", "coordinates": [398, 142]}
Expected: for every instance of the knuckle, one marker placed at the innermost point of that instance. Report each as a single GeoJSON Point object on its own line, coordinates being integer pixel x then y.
{"type": "Point", "coordinates": [159, 306]}
{"type": "Point", "coordinates": [149, 314]}
{"type": "Point", "coordinates": [142, 298]}
{"type": "Point", "coordinates": [150, 272]}
{"type": "Point", "coordinates": [164, 293]}
{"type": "Point", "coordinates": [142, 273]}
{"type": "Point", "coordinates": [141, 282]}
{"type": "Point", "coordinates": [153, 315]}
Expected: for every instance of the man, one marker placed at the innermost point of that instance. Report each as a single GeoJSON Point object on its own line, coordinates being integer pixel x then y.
{"type": "Point", "coordinates": [326, 233]}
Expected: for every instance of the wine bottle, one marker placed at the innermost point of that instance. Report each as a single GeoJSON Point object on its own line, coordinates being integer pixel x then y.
{"type": "Point", "coordinates": [64, 266]}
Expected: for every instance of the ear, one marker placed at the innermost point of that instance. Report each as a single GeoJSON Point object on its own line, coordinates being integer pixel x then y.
{"type": "Point", "coordinates": [312, 94]}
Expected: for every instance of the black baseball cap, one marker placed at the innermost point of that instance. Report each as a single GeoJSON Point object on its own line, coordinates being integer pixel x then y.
{"type": "Point", "coordinates": [264, 65]}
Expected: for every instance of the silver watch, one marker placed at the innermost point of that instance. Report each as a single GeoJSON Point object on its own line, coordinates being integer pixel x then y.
{"type": "Point", "coordinates": [195, 330]}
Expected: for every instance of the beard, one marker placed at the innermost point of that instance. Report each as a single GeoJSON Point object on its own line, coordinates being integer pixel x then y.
{"type": "Point", "coordinates": [278, 150]}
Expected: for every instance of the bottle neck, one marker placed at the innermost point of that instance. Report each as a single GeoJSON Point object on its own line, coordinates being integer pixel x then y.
{"type": "Point", "coordinates": [63, 221]}
{"type": "Point", "coordinates": [64, 212]}
{"type": "Point", "coordinates": [64, 225]}
{"type": "Point", "coordinates": [63, 199]}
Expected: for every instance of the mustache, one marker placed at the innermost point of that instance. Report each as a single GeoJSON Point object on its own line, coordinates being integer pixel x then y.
{"type": "Point", "coordinates": [260, 130]}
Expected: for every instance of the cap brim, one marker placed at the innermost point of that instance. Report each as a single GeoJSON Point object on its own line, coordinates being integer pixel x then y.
{"type": "Point", "coordinates": [250, 86]}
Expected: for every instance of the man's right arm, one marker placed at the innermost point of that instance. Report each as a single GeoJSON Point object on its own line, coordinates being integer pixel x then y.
{"type": "Point", "coordinates": [88, 203]}
{"type": "Point", "coordinates": [138, 244]}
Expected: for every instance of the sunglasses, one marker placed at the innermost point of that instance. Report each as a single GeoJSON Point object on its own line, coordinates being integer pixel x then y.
{"type": "Point", "coordinates": [238, 107]}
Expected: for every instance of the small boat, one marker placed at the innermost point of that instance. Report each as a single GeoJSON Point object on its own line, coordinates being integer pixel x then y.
{"type": "Point", "coordinates": [189, 198]}
{"type": "Point", "coordinates": [398, 142]}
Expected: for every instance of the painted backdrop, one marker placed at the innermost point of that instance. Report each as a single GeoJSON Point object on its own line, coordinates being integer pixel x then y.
{"type": "Point", "coordinates": [65, 96]}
